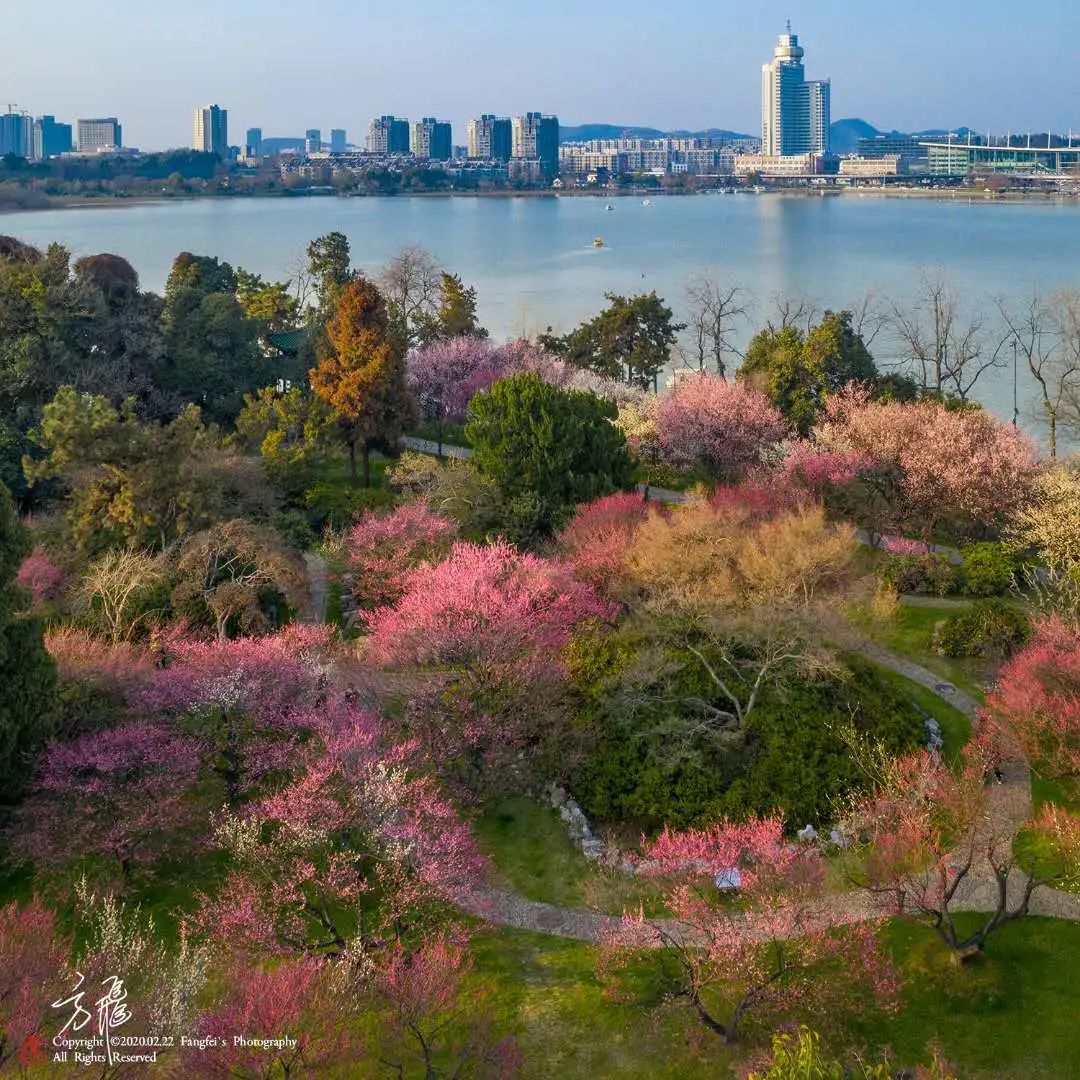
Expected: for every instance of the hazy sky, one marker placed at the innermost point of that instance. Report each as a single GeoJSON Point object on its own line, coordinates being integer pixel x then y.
{"type": "Point", "coordinates": [286, 65]}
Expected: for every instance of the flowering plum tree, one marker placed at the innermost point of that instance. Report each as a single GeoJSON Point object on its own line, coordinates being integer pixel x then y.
{"type": "Point", "coordinates": [354, 842]}
{"type": "Point", "coordinates": [434, 1020]}
{"type": "Point", "coordinates": [596, 540]}
{"type": "Point", "coordinates": [1036, 704]}
{"type": "Point", "coordinates": [963, 467]}
{"type": "Point", "coordinates": [295, 998]}
{"type": "Point", "coordinates": [121, 794]}
{"type": "Point", "coordinates": [724, 427]}
{"type": "Point", "coordinates": [777, 947]}
{"type": "Point", "coordinates": [40, 576]}
{"type": "Point", "coordinates": [444, 376]}
{"type": "Point", "coordinates": [490, 624]}
{"type": "Point", "coordinates": [33, 955]}
{"type": "Point", "coordinates": [383, 548]}
{"type": "Point", "coordinates": [250, 699]}
{"type": "Point", "coordinates": [934, 835]}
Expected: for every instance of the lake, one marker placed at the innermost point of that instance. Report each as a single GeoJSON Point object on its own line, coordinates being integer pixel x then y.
{"type": "Point", "coordinates": [534, 263]}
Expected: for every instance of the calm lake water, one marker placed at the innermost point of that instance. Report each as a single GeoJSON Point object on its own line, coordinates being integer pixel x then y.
{"type": "Point", "coordinates": [534, 263]}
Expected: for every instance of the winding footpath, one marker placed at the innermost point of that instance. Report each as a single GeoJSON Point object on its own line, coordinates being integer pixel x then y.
{"type": "Point", "coordinates": [1010, 807]}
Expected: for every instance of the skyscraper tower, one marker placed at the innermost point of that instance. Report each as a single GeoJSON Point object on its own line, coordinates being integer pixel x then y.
{"type": "Point", "coordinates": [210, 130]}
{"type": "Point", "coordinates": [795, 114]}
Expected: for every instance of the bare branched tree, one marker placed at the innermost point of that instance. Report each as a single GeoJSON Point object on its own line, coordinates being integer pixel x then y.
{"type": "Point", "coordinates": [113, 586]}
{"type": "Point", "coordinates": [410, 282]}
{"type": "Point", "coordinates": [946, 351]}
{"type": "Point", "coordinates": [869, 316]}
{"type": "Point", "coordinates": [714, 311]}
{"type": "Point", "coordinates": [1046, 332]}
{"type": "Point", "coordinates": [800, 313]}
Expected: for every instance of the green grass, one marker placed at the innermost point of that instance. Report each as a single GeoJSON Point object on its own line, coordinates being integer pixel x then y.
{"type": "Point", "coordinates": [547, 993]}
{"type": "Point", "coordinates": [955, 726]}
{"type": "Point", "coordinates": [1009, 1014]}
{"type": "Point", "coordinates": [909, 635]}
{"type": "Point", "coordinates": [530, 848]}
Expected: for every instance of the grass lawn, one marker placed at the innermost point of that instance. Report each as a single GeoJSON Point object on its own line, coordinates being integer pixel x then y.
{"type": "Point", "coordinates": [955, 726]}
{"type": "Point", "coordinates": [909, 635]}
{"type": "Point", "coordinates": [530, 847]}
{"type": "Point", "coordinates": [1009, 1014]}
{"type": "Point", "coordinates": [546, 991]}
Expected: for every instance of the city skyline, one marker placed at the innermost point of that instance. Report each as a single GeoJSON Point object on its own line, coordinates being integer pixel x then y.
{"type": "Point", "coordinates": [709, 81]}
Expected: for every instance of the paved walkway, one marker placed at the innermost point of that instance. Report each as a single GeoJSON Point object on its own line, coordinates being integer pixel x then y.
{"type": "Point", "coordinates": [316, 575]}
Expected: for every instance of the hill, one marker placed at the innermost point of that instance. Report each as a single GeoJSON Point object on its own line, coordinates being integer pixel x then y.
{"type": "Point", "coordinates": [584, 132]}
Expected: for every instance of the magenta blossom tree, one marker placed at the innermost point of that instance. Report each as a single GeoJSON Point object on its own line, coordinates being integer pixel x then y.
{"type": "Point", "coordinates": [295, 998]}
{"type": "Point", "coordinates": [600, 533]}
{"type": "Point", "coordinates": [724, 427]}
{"type": "Point", "coordinates": [383, 548]}
{"type": "Point", "coordinates": [123, 794]}
{"type": "Point", "coordinates": [444, 376]}
{"type": "Point", "coordinates": [357, 841]}
{"type": "Point", "coordinates": [487, 628]}
{"type": "Point", "coordinates": [249, 700]}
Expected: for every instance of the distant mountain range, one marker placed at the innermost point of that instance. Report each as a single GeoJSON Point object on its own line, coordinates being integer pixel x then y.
{"type": "Point", "coordinates": [846, 134]}
{"type": "Point", "coordinates": [584, 132]}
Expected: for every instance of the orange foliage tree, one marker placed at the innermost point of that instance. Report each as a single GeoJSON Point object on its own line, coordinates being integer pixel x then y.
{"type": "Point", "coordinates": [361, 373]}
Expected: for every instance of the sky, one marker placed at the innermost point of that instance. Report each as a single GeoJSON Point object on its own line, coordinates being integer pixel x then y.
{"type": "Point", "coordinates": [287, 65]}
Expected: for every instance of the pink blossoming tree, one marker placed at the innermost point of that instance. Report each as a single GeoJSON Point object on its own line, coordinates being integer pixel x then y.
{"type": "Point", "coordinates": [40, 576]}
{"type": "Point", "coordinates": [600, 533]}
{"type": "Point", "coordinates": [934, 835]}
{"type": "Point", "coordinates": [487, 627]}
{"type": "Point", "coordinates": [725, 427]}
{"type": "Point", "coordinates": [122, 794]}
{"type": "Point", "coordinates": [961, 467]}
{"type": "Point", "coordinates": [775, 946]}
{"type": "Point", "coordinates": [383, 548]}
{"type": "Point", "coordinates": [1035, 707]}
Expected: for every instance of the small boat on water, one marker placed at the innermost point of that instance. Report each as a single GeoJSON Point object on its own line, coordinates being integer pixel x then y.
{"type": "Point", "coordinates": [609, 207]}
{"type": "Point", "coordinates": [647, 202]}
{"type": "Point", "coordinates": [598, 242]}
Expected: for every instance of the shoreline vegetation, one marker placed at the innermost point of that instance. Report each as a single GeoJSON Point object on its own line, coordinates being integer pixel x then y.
{"type": "Point", "coordinates": [77, 202]}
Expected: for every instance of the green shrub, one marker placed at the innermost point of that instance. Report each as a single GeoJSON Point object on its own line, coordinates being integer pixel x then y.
{"type": "Point", "coordinates": [83, 707]}
{"type": "Point", "coordinates": [989, 629]}
{"type": "Point", "coordinates": [988, 569]}
{"type": "Point", "coordinates": [637, 767]}
{"type": "Point", "coordinates": [295, 529]}
{"type": "Point", "coordinates": [337, 504]}
{"type": "Point", "coordinates": [929, 574]}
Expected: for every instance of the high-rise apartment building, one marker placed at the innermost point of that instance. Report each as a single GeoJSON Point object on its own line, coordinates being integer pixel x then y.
{"type": "Point", "coordinates": [16, 135]}
{"type": "Point", "coordinates": [431, 138]}
{"type": "Point", "coordinates": [50, 138]}
{"type": "Point", "coordinates": [253, 140]}
{"type": "Point", "coordinates": [388, 135]}
{"type": "Point", "coordinates": [535, 137]}
{"type": "Point", "coordinates": [313, 141]}
{"type": "Point", "coordinates": [99, 133]}
{"type": "Point", "coordinates": [210, 131]}
{"type": "Point", "coordinates": [490, 138]}
{"type": "Point", "coordinates": [795, 113]}
{"type": "Point", "coordinates": [338, 141]}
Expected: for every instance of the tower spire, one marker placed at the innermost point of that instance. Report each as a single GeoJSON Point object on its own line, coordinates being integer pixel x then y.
{"type": "Point", "coordinates": [789, 26]}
